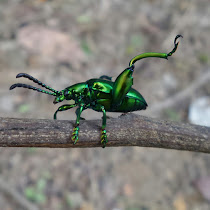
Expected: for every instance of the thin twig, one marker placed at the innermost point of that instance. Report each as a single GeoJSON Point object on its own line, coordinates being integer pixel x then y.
{"type": "Point", "coordinates": [21, 200]}
{"type": "Point", "coordinates": [127, 130]}
{"type": "Point", "coordinates": [175, 100]}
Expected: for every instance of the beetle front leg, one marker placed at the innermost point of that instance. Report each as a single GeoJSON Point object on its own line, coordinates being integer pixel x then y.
{"type": "Point", "coordinates": [76, 112]}
{"type": "Point", "coordinates": [103, 128]}
{"type": "Point", "coordinates": [75, 134]}
{"type": "Point", "coordinates": [63, 108]}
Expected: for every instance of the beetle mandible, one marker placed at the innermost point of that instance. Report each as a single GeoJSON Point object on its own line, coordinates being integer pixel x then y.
{"type": "Point", "coordinates": [101, 94]}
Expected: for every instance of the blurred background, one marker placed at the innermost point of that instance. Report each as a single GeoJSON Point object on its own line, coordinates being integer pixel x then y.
{"type": "Point", "coordinates": [64, 42]}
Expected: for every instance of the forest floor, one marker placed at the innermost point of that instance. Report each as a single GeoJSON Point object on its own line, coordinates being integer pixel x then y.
{"type": "Point", "coordinates": [65, 42]}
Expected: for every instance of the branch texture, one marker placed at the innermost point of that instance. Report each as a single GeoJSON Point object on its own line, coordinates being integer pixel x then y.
{"type": "Point", "coordinates": [127, 130]}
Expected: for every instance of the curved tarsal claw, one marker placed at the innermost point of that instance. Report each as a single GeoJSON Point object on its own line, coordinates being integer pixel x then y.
{"type": "Point", "coordinates": [177, 36]}
{"type": "Point", "coordinates": [175, 45]}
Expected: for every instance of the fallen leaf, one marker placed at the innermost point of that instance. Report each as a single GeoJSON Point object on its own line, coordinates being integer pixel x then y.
{"type": "Point", "coordinates": [203, 186]}
{"type": "Point", "coordinates": [179, 203]}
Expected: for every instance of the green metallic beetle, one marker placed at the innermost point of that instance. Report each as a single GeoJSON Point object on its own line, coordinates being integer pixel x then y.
{"type": "Point", "coordinates": [101, 94]}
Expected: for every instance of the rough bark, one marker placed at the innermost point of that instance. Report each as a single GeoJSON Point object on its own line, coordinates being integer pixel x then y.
{"type": "Point", "coordinates": [127, 130]}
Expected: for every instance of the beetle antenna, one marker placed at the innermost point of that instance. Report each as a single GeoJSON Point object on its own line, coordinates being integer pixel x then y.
{"type": "Point", "coordinates": [154, 54]}
{"type": "Point", "coordinates": [31, 87]}
{"type": "Point", "coordinates": [37, 82]}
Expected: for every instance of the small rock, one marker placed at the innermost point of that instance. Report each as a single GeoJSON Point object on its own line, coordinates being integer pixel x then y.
{"type": "Point", "coordinates": [199, 111]}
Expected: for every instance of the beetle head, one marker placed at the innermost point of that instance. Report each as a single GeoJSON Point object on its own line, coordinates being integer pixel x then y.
{"type": "Point", "coordinates": [59, 98]}
{"type": "Point", "coordinates": [62, 95]}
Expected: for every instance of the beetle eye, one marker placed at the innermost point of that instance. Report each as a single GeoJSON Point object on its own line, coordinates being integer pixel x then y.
{"type": "Point", "coordinates": [66, 93]}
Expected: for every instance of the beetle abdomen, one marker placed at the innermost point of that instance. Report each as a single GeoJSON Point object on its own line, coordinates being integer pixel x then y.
{"type": "Point", "coordinates": [131, 104]}
{"type": "Point", "coordinates": [128, 105]}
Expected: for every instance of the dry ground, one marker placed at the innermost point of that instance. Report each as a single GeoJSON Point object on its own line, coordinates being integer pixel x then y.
{"type": "Point", "coordinates": [65, 42]}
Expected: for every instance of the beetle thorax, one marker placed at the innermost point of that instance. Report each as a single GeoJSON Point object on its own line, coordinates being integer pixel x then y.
{"type": "Point", "coordinates": [78, 92]}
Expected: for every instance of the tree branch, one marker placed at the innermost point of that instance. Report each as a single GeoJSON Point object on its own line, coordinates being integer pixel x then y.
{"type": "Point", "coordinates": [127, 130]}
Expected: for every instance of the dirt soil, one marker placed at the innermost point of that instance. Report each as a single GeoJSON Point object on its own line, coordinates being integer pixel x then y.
{"type": "Point", "coordinates": [66, 42]}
